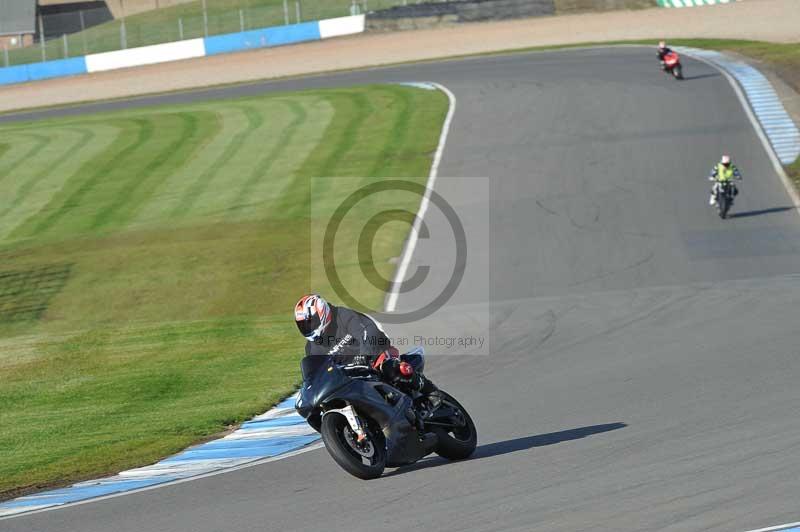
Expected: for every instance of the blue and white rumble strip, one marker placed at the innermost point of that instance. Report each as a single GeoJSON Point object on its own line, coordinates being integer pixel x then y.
{"type": "Point", "coordinates": [767, 107]}
{"type": "Point", "coordinates": [278, 431]}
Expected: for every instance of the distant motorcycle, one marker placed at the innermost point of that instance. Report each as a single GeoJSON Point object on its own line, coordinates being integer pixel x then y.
{"type": "Point", "coordinates": [367, 424]}
{"type": "Point", "coordinates": [724, 192]}
{"type": "Point", "coordinates": [672, 64]}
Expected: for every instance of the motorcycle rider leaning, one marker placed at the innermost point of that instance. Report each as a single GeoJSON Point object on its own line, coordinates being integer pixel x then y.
{"type": "Point", "coordinates": [724, 171]}
{"type": "Point", "coordinates": [353, 338]}
{"type": "Point", "coordinates": [663, 50]}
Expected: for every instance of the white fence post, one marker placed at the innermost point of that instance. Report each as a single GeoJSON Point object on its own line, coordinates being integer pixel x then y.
{"type": "Point", "coordinates": [83, 33]}
{"type": "Point", "coordinates": [286, 12]}
{"type": "Point", "coordinates": [66, 46]}
{"type": "Point", "coordinates": [180, 28]}
{"type": "Point", "coordinates": [205, 19]}
{"type": "Point", "coordinates": [297, 9]}
{"type": "Point", "coordinates": [123, 35]}
{"type": "Point", "coordinates": [41, 39]}
{"type": "Point", "coordinates": [241, 21]}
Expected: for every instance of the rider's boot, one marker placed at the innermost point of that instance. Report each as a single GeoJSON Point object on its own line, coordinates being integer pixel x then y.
{"type": "Point", "coordinates": [712, 200]}
{"type": "Point", "coordinates": [428, 389]}
{"type": "Point", "coordinates": [416, 381]}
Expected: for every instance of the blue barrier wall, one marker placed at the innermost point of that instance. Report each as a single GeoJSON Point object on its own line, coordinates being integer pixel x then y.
{"type": "Point", "coordinates": [44, 70]}
{"type": "Point", "coordinates": [14, 74]}
{"type": "Point", "coordinates": [54, 69]}
{"type": "Point", "coordinates": [221, 44]}
{"type": "Point", "coordinates": [218, 44]}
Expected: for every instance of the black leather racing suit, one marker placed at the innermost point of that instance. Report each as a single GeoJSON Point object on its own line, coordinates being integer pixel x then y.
{"type": "Point", "coordinates": [355, 338]}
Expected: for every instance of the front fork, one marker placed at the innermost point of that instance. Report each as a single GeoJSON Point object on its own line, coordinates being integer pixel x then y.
{"type": "Point", "coordinates": [353, 420]}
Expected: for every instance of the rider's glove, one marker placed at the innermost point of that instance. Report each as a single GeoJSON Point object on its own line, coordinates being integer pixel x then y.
{"type": "Point", "coordinates": [389, 369]}
{"type": "Point", "coordinates": [393, 370]}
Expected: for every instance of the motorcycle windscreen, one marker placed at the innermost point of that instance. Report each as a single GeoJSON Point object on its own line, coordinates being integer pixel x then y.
{"type": "Point", "coordinates": [321, 378]}
{"type": "Point", "coordinates": [311, 364]}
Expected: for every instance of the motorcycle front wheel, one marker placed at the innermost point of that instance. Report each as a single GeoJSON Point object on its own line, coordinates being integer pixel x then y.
{"type": "Point", "coordinates": [365, 460]}
{"type": "Point", "coordinates": [724, 204]}
{"type": "Point", "coordinates": [456, 443]}
{"type": "Point", "coordinates": [678, 72]}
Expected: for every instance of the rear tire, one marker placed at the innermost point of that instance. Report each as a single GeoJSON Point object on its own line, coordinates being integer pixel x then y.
{"type": "Point", "coordinates": [365, 460]}
{"type": "Point", "coordinates": [456, 444]}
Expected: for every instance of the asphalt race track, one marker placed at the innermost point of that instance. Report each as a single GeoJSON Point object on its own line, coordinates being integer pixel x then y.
{"type": "Point", "coordinates": [644, 353]}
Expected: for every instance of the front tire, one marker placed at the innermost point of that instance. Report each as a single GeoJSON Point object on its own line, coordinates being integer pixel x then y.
{"type": "Point", "coordinates": [365, 460]}
{"type": "Point", "coordinates": [724, 206]}
{"type": "Point", "coordinates": [458, 443]}
{"type": "Point", "coordinates": [678, 72]}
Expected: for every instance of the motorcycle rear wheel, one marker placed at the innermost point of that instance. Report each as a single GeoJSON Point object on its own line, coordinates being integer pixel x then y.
{"type": "Point", "coordinates": [365, 460]}
{"type": "Point", "coordinates": [459, 443]}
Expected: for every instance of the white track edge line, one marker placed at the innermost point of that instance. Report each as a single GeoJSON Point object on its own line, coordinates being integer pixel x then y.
{"type": "Point", "coordinates": [777, 527]}
{"type": "Point", "coordinates": [413, 236]}
{"type": "Point", "coordinates": [762, 136]}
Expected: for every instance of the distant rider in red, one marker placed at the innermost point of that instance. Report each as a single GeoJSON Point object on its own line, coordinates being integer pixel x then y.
{"type": "Point", "coordinates": [663, 50]}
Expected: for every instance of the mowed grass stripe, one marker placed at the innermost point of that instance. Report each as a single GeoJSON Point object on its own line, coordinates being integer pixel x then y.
{"type": "Point", "coordinates": [254, 121]}
{"type": "Point", "coordinates": [261, 170]}
{"type": "Point", "coordinates": [394, 147]}
{"type": "Point", "coordinates": [168, 330]}
{"type": "Point", "coordinates": [351, 112]}
{"type": "Point", "coordinates": [254, 175]}
{"type": "Point", "coordinates": [220, 125]}
{"type": "Point", "coordinates": [310, 138]}
{"type": "Point", "coordinates": [48, 167]}
{"type": "Point", "coordinates": [27, 153]}
{"type": "Point", "coordinates": [52, 181]}
{"type": "Point", "coordinates": [132, 135]}
{"type": "Point", "coordinates": [177, 149]}
{"type": "Point", "coordinates": [236, 163]}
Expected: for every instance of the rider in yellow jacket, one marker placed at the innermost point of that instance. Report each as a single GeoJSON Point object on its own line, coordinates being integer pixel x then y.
{"type": "Point", "coordinates": [722, 172]}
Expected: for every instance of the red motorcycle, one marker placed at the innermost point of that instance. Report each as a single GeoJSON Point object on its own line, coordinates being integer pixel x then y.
{"type": "Point", "coordinates": [672, 64]}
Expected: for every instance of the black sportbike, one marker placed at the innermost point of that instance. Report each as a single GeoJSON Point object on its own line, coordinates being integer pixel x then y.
{"type": "Point", "coordinates": [368, 425]}
{"type": "Point", "coordinates": [724, 192]}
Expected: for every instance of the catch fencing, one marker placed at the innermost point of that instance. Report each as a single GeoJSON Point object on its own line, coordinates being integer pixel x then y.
{"type": "Point", "coordinates": [79, 33]}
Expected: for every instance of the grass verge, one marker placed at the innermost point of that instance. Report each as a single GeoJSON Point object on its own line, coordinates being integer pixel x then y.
{"type": "Point", "coordinates": [566, 7]}
{"type": "Point", "coordinates": [793, 170]}
{"type": "Point", "coordinates": [149, 260]}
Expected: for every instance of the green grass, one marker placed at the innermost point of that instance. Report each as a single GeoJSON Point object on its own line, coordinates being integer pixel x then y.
{"type": "Point", "coordinates": [794, 173]}
{"type": "Point", "coordinates": [149, 261]}
{"type": "Point", "coordinates": [162, 25]}
{"type": "Point", "coordinates": [581, 6]}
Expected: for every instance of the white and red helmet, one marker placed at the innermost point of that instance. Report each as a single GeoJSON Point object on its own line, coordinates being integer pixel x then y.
{"type": "Point", "coordinates": [312, 315]}
{"type": "Point", "coordinates": [662, 45]}
{"type": "Point", "coordinates": [725, 160]}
